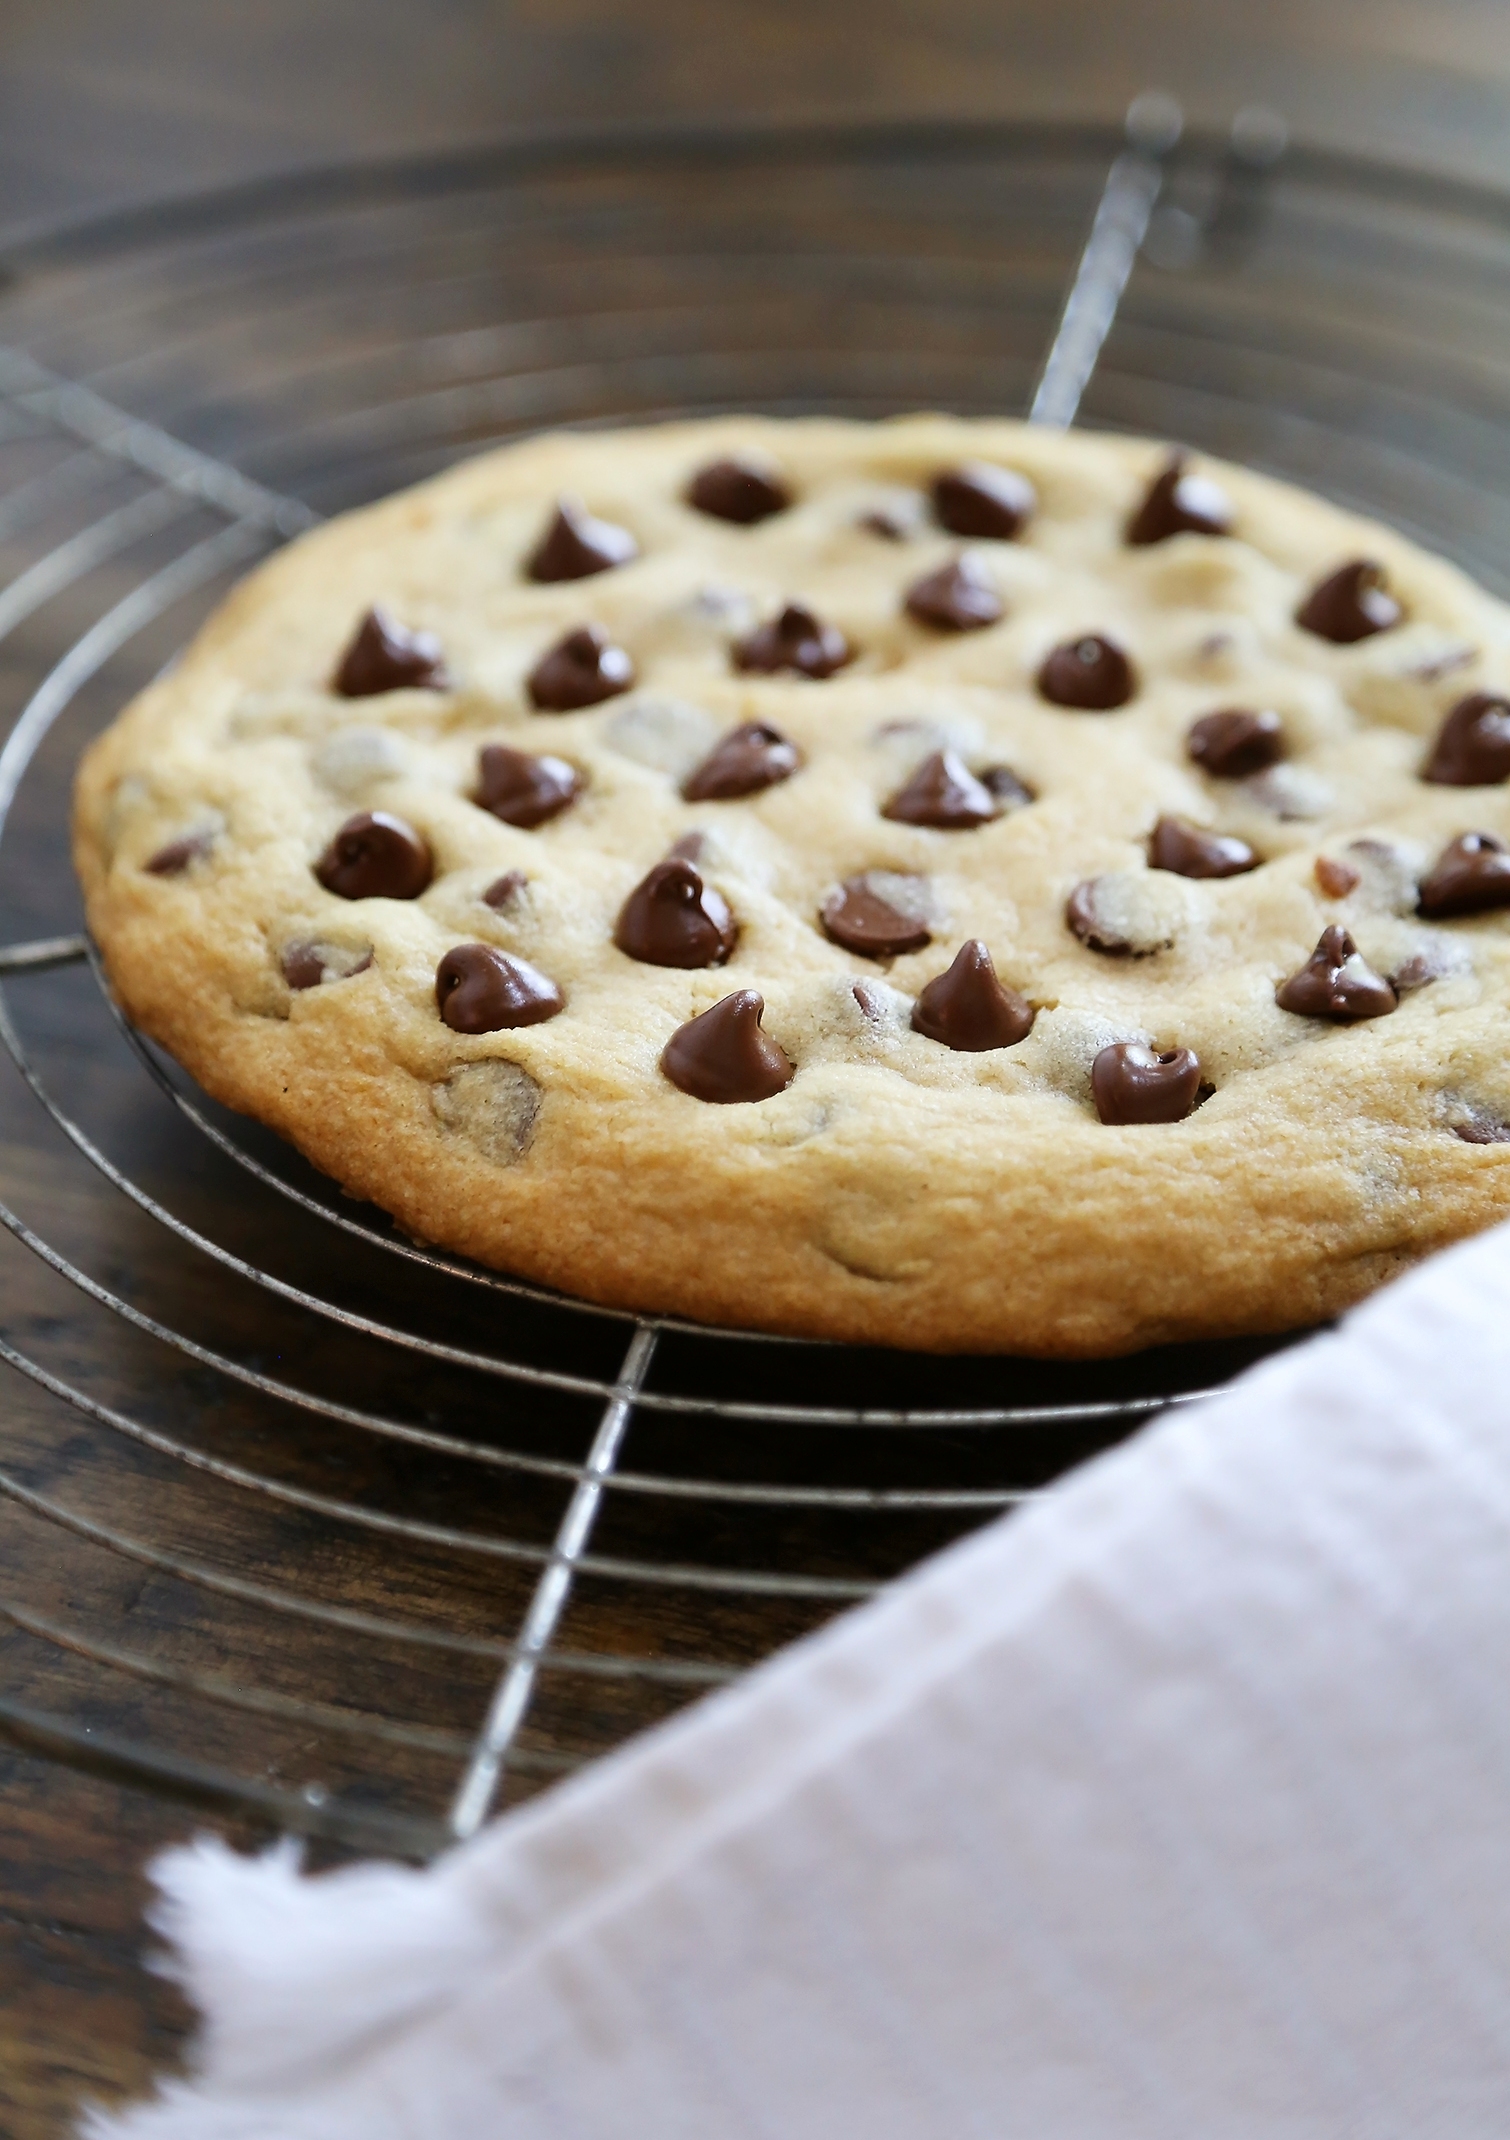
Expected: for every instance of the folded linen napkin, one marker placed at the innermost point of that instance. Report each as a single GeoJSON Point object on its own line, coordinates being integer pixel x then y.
{"type": "Point", "coordinates": [1178, 1803]}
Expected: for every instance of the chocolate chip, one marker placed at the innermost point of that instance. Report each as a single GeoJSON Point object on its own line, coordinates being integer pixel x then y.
{"type": "Point", "coordinates": [723, 1056]}
{"type": "Point", "coordinates": [1482, 1132]}
{"type": "Point", "coordinates": [384, 656]}
{"type": "Point", "coordinates": [689, 848]}
{"type": "Point", "coordinates": [179, 855]}
{"type": "Point", "coordinates": [1235, 743]}
{"type": "Point", "coordinates": [522, 790]}
{"type": "Point", "coordinates": [1470, 876]}
{"type": "Point", "coordinates": [672, 918]}
{"type": "Point", "coordinates": [504, 890]}
{"type": "Point", "coordinates": [1390, 871]}
{"type": "Point", "coordinates": [1336, 983]}
{"type": "Point", "coordinates": [738, 490]}
{"type": "Point", "coordinates": [1128, 913]}
{"type": "Point", "coordinates": [959, 597]}
{"type": "Point", "coordinates": [1188, 851]}
{"type": "Point", "coordinates": [1418, 970]}
{"type": "Point", "coordinates": [889, 526]}
{"type": "Point", "coordinates": [754, 756]}
{"type": "Point", "coordinates": [862, 919]}
{"type": "Point", "coordinates": [943, 792]}
{"type": "Point", "coordinates": [871, 1002]}
{"type": "Point", "coordinates": [968, 1009]}
{"type": "Point", "coordinates": [574, 546]}
{"type": "Point", "coordinates": [1011, 792]}
{"type": "Point", "coordinates": [376, 856]}
{"type": "Point", "coordinates": [302, 966]}
{"type": "Point", "coordinates": [1352, 604]}
{"type": "Point", "coordinates": [1335, 878]}
{"type": "Point", "coordinates": [795, 640]}
{"type": "Point", "coordinates": [1177, 503]}
{"type": "Point", "coordinates": [1084, 919]}
{"type": "Point", "coordinates": [1472, 749]}
{"type": "Point", "coordinates": [582, 669]}
{"type": "Point", "coordinates": [1092, 674]}
{"type": "Point", "coordinates": [980, 500]}
{"type": "Point", "coordinates": [480, 989]}
{"type": "Point", "coordinates": [1131, 1082]}
{"type": "Point", "coordinates": [307, 965]}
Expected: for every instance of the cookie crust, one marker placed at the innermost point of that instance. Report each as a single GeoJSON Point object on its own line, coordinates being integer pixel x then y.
{"type": "Point", "coordinates": [897, 1191]}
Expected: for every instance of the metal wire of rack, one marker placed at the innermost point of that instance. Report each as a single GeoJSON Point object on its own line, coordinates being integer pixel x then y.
{"type": "Point", "coordinates": [303, 1518]}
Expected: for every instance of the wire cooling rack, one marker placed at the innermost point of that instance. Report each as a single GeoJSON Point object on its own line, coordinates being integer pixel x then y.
{"type": "Point", "coordinates": [298, 1517]}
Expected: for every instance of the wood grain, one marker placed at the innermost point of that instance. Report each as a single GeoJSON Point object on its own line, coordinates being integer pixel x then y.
{"type": "Point", "coordinates": [135, 100]}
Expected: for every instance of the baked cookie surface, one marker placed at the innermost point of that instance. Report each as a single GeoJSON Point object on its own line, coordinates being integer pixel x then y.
{"type": "Point", "coordinates": [935, 883]}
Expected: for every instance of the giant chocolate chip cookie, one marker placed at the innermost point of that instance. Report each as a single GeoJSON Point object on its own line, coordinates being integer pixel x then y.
{"type": "Point", "coordinates": [943, 884]}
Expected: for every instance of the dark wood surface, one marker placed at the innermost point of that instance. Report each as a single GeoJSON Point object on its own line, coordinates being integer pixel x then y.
{"type": "Point", "coordinates": [105, 104]}
{"type": "Point", "coordinates": [118, 100]}
{"type": "Point", "coordinates": [80, 2018]}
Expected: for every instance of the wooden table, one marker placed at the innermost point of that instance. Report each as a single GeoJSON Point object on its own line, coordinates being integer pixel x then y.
{"type": "Point", "coordinates": [114, 103]}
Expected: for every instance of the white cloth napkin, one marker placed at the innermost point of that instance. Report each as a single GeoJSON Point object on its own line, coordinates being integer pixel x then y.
{"type": "Point", "coordinates": [1178, 1805]}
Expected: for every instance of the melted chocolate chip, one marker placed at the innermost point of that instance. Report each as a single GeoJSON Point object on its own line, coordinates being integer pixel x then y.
{"type": "Point", "coordinates": [1092, 674]}
{"type": "Point", "coordinates": [859, 918]}
{"type": "Point", "coordinates": [504, 890]}
{"type": "Point", "coordinates": [307, 965]}
{"type": "Point", "coordinates": [1336, 879]}
{"type": "Point", "coordinates": [1470, 876]}
{"type": "Point", "coordinates": [376, 856]}
{"type": "Point", "coordinates": [582, 669]}
{"type": "Point", "coordinates": [1419, 970]}
{"type": "Point", "coordinates": [1235, 743]}
{"type": "Point", "coordinates": [968, 1009]}
{"type": "Point", "coordinates": [1472, 749]}
{"type": "Point", "coordinates": [384, 656]}
{"type": "Point", "coordinates": [302, 965]}
{"type": "Point", "coordinates": [522, 790]}
{"type": "Point", "coordinates": [723, 1056]}
{"type": "Point", "coordinates": [1188, 851]}
{"type": "Point", "coordinates": [749, 758]}
{"type": "Point", "coordinates": [741, 491]}
{"type": "Point", "coordinates": [1352, 604]}
{"type": "Point", "coordinates": [480, 989]}
{"type": "Point", "coordinates": [959, 597]}
{"type": "Point", "coordinates": [795, 640]}
{"type": "Point", "coordinates": [1336, 983]}
{"type": "Point", "coordinates": [980, 500]}
{"type": "Point", "coordinates": [179, 855]}
{"type": "Point", "coordinates": [574, 546]}
{"type": "Point", "coordinates": [1131, 1082]}
{"type": "Point", "coordinates": [1083, 919]}
{"type": "Point", "coordinates": [1482, 1132]}
{"type": "Point", "coordinates": [1177, 503]}
{"type": "Point", "coordinates": [945, 793]}
{"type": "Point", "coordinates": [672, 918]}
{"type": "Point", "coordinates": [1004, 784]}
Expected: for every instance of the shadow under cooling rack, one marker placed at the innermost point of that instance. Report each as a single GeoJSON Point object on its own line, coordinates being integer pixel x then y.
{"type": "Point", "coordinates": [292, 1514]}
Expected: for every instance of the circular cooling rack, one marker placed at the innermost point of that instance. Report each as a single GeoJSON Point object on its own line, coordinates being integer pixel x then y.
{"type": "Point", "coordinates": [296, 1516]}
